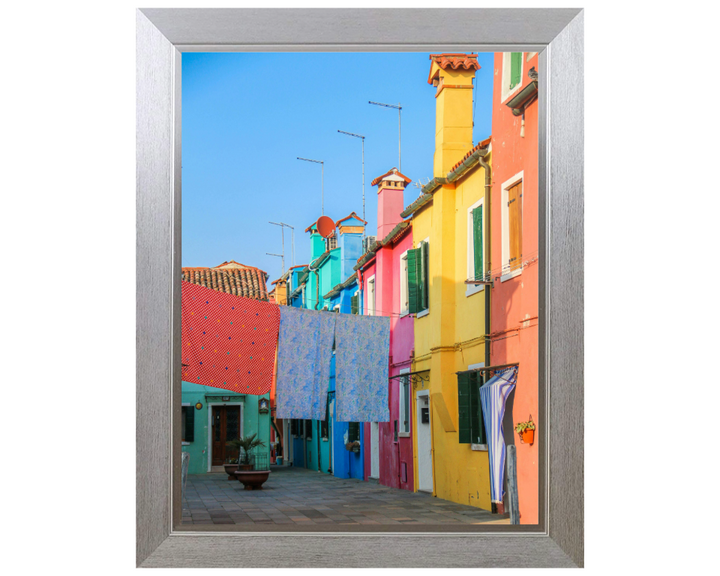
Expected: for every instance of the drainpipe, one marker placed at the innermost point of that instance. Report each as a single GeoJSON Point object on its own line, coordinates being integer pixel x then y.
{"type": "Point", "coordinates": [317, 287]}
{"type": "Point", "coordinates": [488, 266]}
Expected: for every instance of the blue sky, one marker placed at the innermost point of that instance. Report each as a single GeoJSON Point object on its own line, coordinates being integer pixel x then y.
{"type": "Point", "coordinates": [246, 117]}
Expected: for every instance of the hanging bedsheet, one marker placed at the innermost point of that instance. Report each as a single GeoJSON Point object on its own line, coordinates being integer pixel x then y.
{"type": "Point", "coordinates": [228, 341]}
{"type": "Point", "coordinates": [303, 367]}
{"type": "Point", "coordinates": [493, 395]}
{"type": "Point", "coordinates": [362, 350]}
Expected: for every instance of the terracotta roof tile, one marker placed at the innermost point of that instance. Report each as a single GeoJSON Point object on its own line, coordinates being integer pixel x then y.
{"type": "Point", "coordinates": [483, 144]}
{"type": "Point", "coordinates": [454, 61]}
{"type": "Point", "coordinates": [348, 217]}
{"type": "Point", "coordinates": [393, 171]}
{"type": "Point", "coordinates": [231, 278]}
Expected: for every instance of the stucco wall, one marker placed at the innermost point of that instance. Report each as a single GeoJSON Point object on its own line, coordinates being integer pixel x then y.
{"type": "Point", "coordinates": [514, 315]}
{"type": "Point", "coordinates": [449, 339]}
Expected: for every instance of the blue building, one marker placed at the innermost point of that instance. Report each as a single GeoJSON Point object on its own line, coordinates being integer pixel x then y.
{"type": "Point", "coordinates": [328, 283]}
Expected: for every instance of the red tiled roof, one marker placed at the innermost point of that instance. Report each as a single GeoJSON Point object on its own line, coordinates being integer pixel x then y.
{"type": "Point", "coordinates": [454, 61]}
{"type": "Point", "coordinates": [231, 278]}
{"type": "Point", "coordinates": [393, 171]}
{"type": "Point", "coordinates": [472, 151]}
{"type": "Point", "coordinates": [351, 215]}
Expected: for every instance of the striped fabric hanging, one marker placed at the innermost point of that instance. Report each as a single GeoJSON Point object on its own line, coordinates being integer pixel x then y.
{"type": "Point", "coordinates": [493, 395]}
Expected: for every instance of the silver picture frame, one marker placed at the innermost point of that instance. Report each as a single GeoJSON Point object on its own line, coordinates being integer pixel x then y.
{"type": "Point", "coordinates": [162, 36]}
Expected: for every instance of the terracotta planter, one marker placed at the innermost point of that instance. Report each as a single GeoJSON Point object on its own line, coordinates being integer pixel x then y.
{"type": "Point", "coordinates": [528, 436]}
{"type": "Point", "coordinates": [252, 479]}
{"type": "Point", "coordinates": [230, 470]}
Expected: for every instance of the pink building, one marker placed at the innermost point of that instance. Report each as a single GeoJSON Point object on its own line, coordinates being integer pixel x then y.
{"type": "Point", "coordinates": [383, 279]}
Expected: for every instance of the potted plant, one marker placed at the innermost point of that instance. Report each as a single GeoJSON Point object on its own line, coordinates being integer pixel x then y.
{"type": "Point", "coordinates": [231, 466]}
{"type": "Point", "coordinates": [526, 430]}
{"type": "Point", "coordinates": [245, 445]}
{"type": "Point", "coordinates": [353, 446]}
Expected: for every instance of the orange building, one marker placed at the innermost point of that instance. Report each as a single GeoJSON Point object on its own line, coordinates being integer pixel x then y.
{"type": "Point", "coordinates": [514, 251]}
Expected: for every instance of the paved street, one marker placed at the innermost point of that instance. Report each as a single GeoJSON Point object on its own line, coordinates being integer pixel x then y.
{"type": "Point", "coordinates": [295, 498]}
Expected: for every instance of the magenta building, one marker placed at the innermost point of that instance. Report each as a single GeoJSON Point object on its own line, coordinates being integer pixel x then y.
{"type": "Point", "coordinates": [382, 273]}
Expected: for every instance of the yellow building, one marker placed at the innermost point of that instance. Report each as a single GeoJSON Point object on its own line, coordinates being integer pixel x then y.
{"type": "Point", "coordinates": [450, 228]}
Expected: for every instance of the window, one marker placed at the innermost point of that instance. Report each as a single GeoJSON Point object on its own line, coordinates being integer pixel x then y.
{"type": "Point", "coordinates": [336, 308]}
{"type": "Point", "coordinates": [188, 423]}
{"type": "Point", "coordinates": [418, 264]}
{"type": "Point", "coordinates": [355, 303]}
{"type": "Point", "coordinates": [471, 426]}
{"type": "Point", "coordinates": [353, 431]}
{"type": "Point", "coordinates": [404, 301]}
{"type": "Point", "coordinates": [371, 296]}
{"type": "Point", "coordinates": [511, 73]}
{"type": "Point", "coordinates": [475, 247]}
{"type": "Point", "coordinates": [308, 429]}
{"type": "Point", "coordinates": [294, 428]}
{"type": "Point", "coordinates": [324, 428]}
{"type": "Point", "coordinates": [512, 225]}
{"type": "Point", "coordinates": [404, 399]}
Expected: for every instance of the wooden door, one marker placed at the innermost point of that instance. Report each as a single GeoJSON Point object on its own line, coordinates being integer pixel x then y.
{"type": "Point", "coordinates": [225, 426]}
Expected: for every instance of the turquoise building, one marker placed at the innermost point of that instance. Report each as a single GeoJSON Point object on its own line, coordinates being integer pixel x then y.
{"type": "Point", "coordinates": [328, 283]}
{"type": "Point", "coordinates": [211, 416]}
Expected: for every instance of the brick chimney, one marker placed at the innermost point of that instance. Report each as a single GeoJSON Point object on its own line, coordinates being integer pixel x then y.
{"type": "Point", "coordinates": [391, 186]}
{"type": "Point", "coordinates": [452, 75]}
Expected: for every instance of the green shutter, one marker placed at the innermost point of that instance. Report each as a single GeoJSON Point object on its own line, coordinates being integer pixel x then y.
{"type": "Point", "coordinates": [413, 262]}
{"type": "Point", "coordinates": [515, 68]}
{"type": "Point", "coordinates": [481, 438]}
{"type": "Point", "coordinates": [425, 277]}
{"type": "Point", "coordinates": [353, 431]}
{"type": "Point", "coordinates": [475, 421]}
{"type": "Point", "coordinates": [477, 216]}
{"type": "Point", "coordinates": [189, 423]}
{"type": "Point", "coordinates": [354, 306]}
{"type": "Point", "coordinates": [464, 418]}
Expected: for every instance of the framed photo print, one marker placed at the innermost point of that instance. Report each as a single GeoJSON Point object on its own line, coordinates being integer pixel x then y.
{"type": "Point", "coordinates": [359, 288]}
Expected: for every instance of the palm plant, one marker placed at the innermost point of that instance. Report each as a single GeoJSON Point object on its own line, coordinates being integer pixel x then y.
{"type": "Point", "coordinates": [246, 444]}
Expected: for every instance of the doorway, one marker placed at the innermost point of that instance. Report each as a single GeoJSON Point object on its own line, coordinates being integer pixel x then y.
{"type": "Point", "coordinates": [424, 442]}
{"type": "Point", "coordinates": [374, 450]}
{"type": "Point", "coordinates": [226, 425]}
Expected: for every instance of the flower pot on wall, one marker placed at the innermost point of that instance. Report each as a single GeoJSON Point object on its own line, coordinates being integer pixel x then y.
{"type": "Point", "coordinates": [528, 436]}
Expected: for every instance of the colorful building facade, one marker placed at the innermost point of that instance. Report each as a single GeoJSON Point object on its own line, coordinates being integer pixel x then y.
{"type": "Point", "coordinates": [212, 416]}
{"type": "Point", "coordinates": [325, 284]}
{"type": "Point", "coordinates": [514, 254]}
{"type": "Point", "coordinates": [384, 280]}
{"type": "Point", "coordinates": [449, 223]}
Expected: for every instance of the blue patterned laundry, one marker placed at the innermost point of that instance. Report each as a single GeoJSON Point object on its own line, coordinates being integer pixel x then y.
{"type": "Point", "coordinates": [303, 373]}
{"type": "Point", "coordinates": [362, 352]}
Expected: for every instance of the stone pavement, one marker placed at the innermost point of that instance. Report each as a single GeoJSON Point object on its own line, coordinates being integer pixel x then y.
{"type": "Point", "coordinates": [295, 498]}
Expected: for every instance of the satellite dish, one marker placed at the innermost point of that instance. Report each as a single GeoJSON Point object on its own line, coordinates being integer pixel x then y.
{"type": "Point", "coordinates": [325, 226]}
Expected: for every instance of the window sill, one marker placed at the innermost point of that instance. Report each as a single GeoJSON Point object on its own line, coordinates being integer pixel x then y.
{"type": "Point", "coordinates": [186, 443]}
{"type": "Point", "coordinates": [324, 439]}
{"type": "Point", "coordinates": [422, 314]}
{"type": "Point", "coordinates": [404, 313]}
{"type": "Point", "coordinates": [510, 275]}
{"type": "Point", "coordinates": [404, 434]}
{"type": "Point", "coordinates": [479, 447]}
{"type": "Point", "coordinates": [470, 290]}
